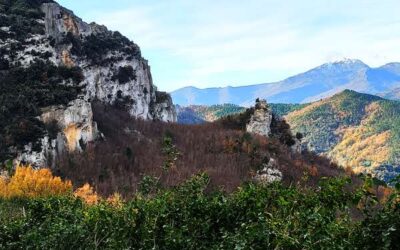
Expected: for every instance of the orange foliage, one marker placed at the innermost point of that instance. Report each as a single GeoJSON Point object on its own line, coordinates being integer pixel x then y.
{"type": "Point", "coordinates": [229, 145]}
{"type": "Point", "coordinates": [87, 193]}
{"type": "Point", "coordinates": [291, 117]}
{"type": "Point", "coordinates": [384, 193]}
{"type": "Point", "coordinates": [3, 186]}
{"type": "Point", "coordinates": [29, 183]}
{"type": "Point", "coordinates": [359, 146]}
{"type": "Point", "coordinates": [115, 200]}
{"type": "Point", "coordinates": [349, 171]}
{"type": "Point", "coordinates": [314, 171]}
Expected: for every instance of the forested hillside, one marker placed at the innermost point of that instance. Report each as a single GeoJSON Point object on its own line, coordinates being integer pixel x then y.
{"type": "Point", "coordinates": [356, 130]}
{"type": "Point", "coordinates": [223, 150]}
{"type": "Point", "coordinates": [197, 114]}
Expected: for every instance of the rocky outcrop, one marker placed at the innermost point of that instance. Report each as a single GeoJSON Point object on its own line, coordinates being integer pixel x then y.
{"type": "Point", "coordinates": [297, 147]}
{"type": "Point", "coordinates": [74, 41]}
{"type": "Point", "coordinates": [164, 109]}
{"type": "Point", "coordinates": [268, 174]}
{"type": "Point", "coordinates": [260, 121]}
{"type": "Point", "coordinates": [72, 129]}
{"type": "Point", "coordinates": [59, 21]}
{"type": "Point", "coordinates": [111, 68]}
{"type": "Point", "coordinates": [75, 123]}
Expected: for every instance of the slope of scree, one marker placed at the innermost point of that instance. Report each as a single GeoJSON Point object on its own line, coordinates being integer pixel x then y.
{"type": "Point", "coordinates": [136, 148]}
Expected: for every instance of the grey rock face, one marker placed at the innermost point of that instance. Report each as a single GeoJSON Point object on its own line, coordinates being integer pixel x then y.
{"type": "Point", "coordinates": [297, 147]}
{"type": "Point", "coordinates": [75, 123]}
{"type": "Point", "coordinates": [65, 38]}
{"type": "Point", "coordinates": [138, 92]}
{"type": "Point", "coordinates": [268, 174]}
{"type": "Point", "coordinates": [260, 121]}
{"type": "Point", "coordinates": [59, 21]}
{"type": "Point", "coordinates": [162, 108]}
{"type": "Point", "coordinates": [75, 126]}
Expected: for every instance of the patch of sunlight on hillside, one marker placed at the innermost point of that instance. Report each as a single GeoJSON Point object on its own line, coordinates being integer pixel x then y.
{"type": "Point", "coordinates": [362, 150]}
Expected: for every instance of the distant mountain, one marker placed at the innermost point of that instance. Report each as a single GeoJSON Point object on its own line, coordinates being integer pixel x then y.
{"type": "Point", "coordinates": [393, 94]}
{"type": "Point", "coordinates": [315, 84]}
{"type": "Point", "coordinates": [355, 130]}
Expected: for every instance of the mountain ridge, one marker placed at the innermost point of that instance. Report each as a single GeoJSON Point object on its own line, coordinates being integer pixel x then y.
{"type": "Point", "coordinates": [314, 84]}
{"type": "Point", "coordinates": [356, 130]}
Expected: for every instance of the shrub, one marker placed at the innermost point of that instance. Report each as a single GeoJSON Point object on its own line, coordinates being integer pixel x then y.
{"type": "Point", "coordinates": [124, 74]}
{"type": "Point", "coordinates": [280, 129]}
{"type": "Point", "coordinates": [29, 183]}
{"type": "Point", "coordinates": [188, 216]}
{"type": "Point", "coordinates": [21, 16]}
{"type": "Point", "coordinates": [4, 64]}
{"type": "Point", "coordinates": [93, 47]}
{"type": "Point", "coordinates": [237, 121]}
{"type": "Point", "coordinates": [87, 194]}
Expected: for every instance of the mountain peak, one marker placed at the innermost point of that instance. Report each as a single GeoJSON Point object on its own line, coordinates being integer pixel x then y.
{"type": "Point", "coordinates": [349, 61]}
{"type": "Point", "coordinates": [393, 67]}
{"type": "Point", "coordinates": [346, 63]}
{"type": "Point", "coordinates": [352, 95]}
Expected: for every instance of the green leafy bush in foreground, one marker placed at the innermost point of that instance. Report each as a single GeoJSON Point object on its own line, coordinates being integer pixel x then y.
{"type": "Point", "coordinates": [189, 217]}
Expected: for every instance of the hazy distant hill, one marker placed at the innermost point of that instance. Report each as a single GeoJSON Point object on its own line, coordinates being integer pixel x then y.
{"type": "Point", "coordinates": [321, 82]}
{"type": "Point", "coordinates": [393, 94]}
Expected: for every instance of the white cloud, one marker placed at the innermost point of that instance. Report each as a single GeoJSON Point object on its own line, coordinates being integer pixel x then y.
{"type": "Point", "coordinates": [214, 38]}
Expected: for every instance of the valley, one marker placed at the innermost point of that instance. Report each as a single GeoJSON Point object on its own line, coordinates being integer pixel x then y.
{"type": "Point", "coordinates": [93, 155]}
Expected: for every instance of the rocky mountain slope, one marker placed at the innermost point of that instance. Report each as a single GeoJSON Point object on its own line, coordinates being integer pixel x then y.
{"type": "Point", "coordinates": [315, 84]}
{"type": "Point", "coordinates": [52, 66]}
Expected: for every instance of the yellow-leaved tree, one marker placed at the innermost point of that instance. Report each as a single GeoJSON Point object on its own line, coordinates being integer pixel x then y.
{"type": "Point", "coordinates": [3, 186]}
{"type": "Point", "coordinates": [87, 193]}
{"type": "Point", "coordinates": [30, 183]}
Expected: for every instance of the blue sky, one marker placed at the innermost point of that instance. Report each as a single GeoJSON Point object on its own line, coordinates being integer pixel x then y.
{"type": "Point", "coordinates": [210, 43]}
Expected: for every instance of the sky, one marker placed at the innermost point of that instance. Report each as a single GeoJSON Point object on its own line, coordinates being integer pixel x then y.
{"type": "Point", "coordinates": [218, 43]}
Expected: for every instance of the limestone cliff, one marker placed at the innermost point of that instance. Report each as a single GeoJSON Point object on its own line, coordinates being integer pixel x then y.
{"type": "Point", "coordinates": [112, 65]}
{"type": "Point", "coordinates": [260, 121]}
{"type": "Point", "coordinates": [76, 126]}
{"type": "Point", "coordinates": [263, 121]}
{"type": "Point", "coordinates": [87, 62]}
